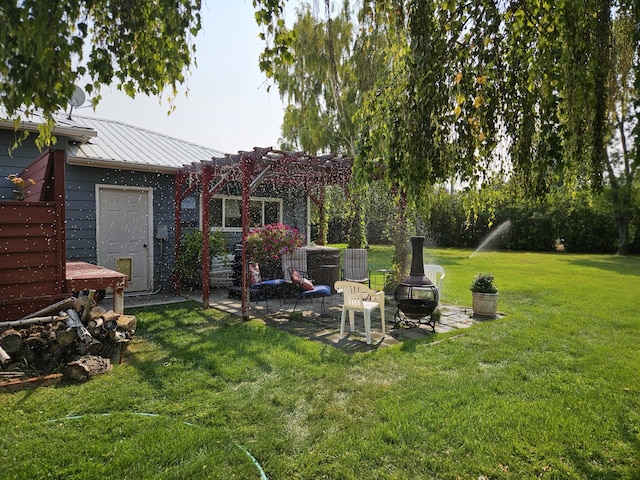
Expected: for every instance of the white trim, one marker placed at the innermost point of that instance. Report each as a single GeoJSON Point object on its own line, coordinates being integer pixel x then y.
{"type": "Point", "coordinates": [118, 165]}
{"type": "Point", "coordinates": [277, 200]}
{"type": "Point", "coordinates": [150, 238]}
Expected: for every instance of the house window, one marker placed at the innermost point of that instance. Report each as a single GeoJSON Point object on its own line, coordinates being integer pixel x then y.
{"type": "Point", "coordinates": [226, 212]}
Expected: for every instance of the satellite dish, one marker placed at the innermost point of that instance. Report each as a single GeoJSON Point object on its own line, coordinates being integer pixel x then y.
{"type": "Point", "coordinates": [78, 98]}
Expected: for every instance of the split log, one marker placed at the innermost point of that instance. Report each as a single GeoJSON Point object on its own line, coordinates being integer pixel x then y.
{"type": "Point", "coordinates": [95, 323]}
{"type": "Point", "coordinates": [86, 367]}
{"type": "Point", "coordinates": [67, 336]}
{"type": "Point", "coordinates": [79, 303]}
{"type": "Point", "coordinates": [127, 322]}
{"type": "Point", "coordinates": [97, 312]}
{"type": "Point", "coordinates": [74, 321]}
{"type": "Point", "coordinates": [118, 336]}
{"type": "Point", "coordinates": [4, 357]}
{"type": "Point", "coordinates": [87, 306]}
{"type": "Point", "coordinates": [110, 315]}
{"type": "Point", "coordinates": [56, 307]}
{"type": "Point", "coordinates": [11, 341]}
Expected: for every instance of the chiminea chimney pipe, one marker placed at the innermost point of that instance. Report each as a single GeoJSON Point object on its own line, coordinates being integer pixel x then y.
{"type": "Point", "coordinates": [417, 262]}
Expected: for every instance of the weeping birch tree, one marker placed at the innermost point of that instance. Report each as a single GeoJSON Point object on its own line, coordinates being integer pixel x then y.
{"type": "Point", "coordinates": [336, 60]}
{"type": "Point", "coordinates": [504, 89]}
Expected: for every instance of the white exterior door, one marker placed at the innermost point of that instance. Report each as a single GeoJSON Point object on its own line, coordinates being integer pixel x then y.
{"type": "Point", "coordinates": [124, 221]}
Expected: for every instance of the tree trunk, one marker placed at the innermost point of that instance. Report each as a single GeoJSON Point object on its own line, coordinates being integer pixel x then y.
{"type": "Point", "coordinates": [622, 223]}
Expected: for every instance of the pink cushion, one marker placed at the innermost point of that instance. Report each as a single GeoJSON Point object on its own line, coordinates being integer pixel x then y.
{"type": "Point", "coordinates": [295, 276]}
{"type": "Point", "coordinates": [254, 273]}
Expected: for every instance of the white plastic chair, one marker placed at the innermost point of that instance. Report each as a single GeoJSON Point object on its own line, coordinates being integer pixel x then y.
{"type": "Point", "coordinates": [356, 266]}
{"type": "Point", "coordinates": [435, 273]}
{"type": "Point", "coordinates": [359, 298]}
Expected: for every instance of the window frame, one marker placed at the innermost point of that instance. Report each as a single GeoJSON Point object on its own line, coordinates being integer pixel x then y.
{"type": "Point", "coordinates": [261, 200]}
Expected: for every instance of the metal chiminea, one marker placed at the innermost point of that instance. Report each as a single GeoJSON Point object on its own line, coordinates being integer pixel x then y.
{"type": "Point", "coordinates": [416, 296]}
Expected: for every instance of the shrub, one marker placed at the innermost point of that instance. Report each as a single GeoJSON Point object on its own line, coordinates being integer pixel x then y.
{"type": "Point", "coordinates": [483, 283]}
{"type": "Point", "coordinates": [189, 262]}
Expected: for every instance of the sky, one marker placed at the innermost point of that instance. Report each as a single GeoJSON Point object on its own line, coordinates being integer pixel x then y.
{"type": "Point", "coordinates": [228, 107]}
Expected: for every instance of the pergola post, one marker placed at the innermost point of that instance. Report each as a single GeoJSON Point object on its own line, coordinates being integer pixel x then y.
{"type": "Point", "coordinates": [246, 168]}
{"type": "Point", "coordinates": [177, 281]}
{"type": "Point", "coordinates": [206, 234]}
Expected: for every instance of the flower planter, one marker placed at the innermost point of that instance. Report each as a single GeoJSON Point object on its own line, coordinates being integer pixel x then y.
{"type": "Point", "coordinates": [485, 304]}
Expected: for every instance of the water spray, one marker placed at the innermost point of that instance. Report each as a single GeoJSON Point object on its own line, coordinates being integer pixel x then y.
{"type": "Point", "coordinates": [492, 237]}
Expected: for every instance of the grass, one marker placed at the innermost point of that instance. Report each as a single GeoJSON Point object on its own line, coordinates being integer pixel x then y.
{"type": "Point", "coordinates": [550, 391]}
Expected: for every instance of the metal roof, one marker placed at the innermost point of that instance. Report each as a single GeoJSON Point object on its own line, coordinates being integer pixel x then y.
{"type": "Point", "coordinates": [120, 145]}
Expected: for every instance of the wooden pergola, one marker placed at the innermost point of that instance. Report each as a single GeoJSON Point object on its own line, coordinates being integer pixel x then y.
{"type": "Point", "coordinates": [309, 173]}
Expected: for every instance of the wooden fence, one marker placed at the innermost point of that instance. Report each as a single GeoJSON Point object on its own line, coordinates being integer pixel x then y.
{"type": "Point", "coordinates": [32, 241]}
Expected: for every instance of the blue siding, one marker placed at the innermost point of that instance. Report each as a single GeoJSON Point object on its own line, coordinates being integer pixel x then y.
{"type": "Point", "coordinates": [81, 212]}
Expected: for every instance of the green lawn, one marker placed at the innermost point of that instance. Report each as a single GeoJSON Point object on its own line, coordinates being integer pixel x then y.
{"type": "Point", "coordinates": [552, 390]}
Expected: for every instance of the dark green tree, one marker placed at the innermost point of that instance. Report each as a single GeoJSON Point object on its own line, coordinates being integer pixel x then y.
{"type": "Point", "coordinates": [48, 47]}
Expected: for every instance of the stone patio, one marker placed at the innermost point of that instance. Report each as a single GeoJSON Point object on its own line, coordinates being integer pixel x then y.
{"type": "Point", "coordinates": [326, 329]}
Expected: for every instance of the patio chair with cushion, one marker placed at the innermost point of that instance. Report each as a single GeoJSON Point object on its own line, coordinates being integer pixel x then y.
{"type": "Point", "coordinates": [359, 298]}
{"type": "Point", "coordinates": [435, 273]}
{"type": "Point", "coordinates": [296, 259]}
{"type": "Point", "coordinates": [306, 289]}
{"type": "Point", "coordinates": [265, 289]}
{"type": "Point", "coordinates": [356, 266]}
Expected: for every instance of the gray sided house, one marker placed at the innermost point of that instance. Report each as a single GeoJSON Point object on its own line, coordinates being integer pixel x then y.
{"type": "Point", "coordinates": [120, 195]}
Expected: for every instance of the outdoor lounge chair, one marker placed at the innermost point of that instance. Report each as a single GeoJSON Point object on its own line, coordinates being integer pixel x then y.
{"type": "Point", "coordinates": [359, 298]}
{"type": "Point", "coordinates": [306, 289]}
{"type": "Point", "coordinates": [266, 288]}
{"type": "Point", "coordinates": [356, 266]}
{"type": "Point", "coordinates": [296, 259]}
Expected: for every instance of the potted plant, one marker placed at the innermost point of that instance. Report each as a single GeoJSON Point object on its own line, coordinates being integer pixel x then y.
{"type": "Point", "coordinates": [485, 295]}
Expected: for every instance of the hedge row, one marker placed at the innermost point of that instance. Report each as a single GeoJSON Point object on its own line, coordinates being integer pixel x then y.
{"type": "Point", "coordinates": [581, 224]}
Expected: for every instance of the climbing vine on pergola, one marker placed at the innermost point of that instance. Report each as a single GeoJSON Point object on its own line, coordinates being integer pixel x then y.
{"type": "Point", "coordinates": [308, 173]}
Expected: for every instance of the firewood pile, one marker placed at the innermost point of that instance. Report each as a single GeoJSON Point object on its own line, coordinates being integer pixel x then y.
{"type": "Point", "coordinates": [75, 338]}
